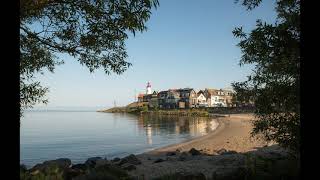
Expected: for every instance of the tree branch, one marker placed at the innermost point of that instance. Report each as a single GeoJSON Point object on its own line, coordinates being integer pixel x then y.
{"type": "Point", "coordinates": [54, 46]}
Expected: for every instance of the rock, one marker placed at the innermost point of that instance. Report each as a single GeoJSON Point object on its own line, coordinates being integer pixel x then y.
{"type": "Point", "coordinates": [81, 167]}
{"type": "Point", "coordinates": [214, 153]}
{"type": "Point", "coordinates": [102, 162]}
{"type": "Point", "coordinates": [231, 160]}
{"type": "Point", "coordinates": [128, 167]}
{"type": "Point", "coordinates": [229, 152]}
{"type": "Point", "coordinates": [131, 159]}
{"type": "Point", "coordinates": [171, 153]}
{"type": "Point", "coordinates": [158, 160]}
{"type": "Point", "coordinates": [178, 150]}
{"type": "Point", "coordinates": [71, 173]}
{"type": "Point", "coordinates": [224, 152]}
{"type": "Point", "coordinates": [234, 173]}
{"type": "Point", "coordinates": [190, 176]}
{"type": "Point", "coordinates": [35, 172]}
{"type": "Point", "coordinates": [194, 152]}
{"type": "Point", "coordinates": [61, 163]}
{"type": "Point", "coordinates": [108, 172]}
{"type": "Point", "coordinates": [91, 162]}
{"type": "Point", "coordinates": [116, 159]}
{"type": "Point", "coordinates": [183, 156]}
{"type": "Point", "coordinates": [221, 151]}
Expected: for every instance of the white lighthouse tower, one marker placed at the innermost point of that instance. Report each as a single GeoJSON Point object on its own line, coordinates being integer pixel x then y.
{"type": "Point", "coordinates": [148, 90]}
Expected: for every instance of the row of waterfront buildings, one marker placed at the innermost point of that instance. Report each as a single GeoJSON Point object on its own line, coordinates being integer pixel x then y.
{"type": "Point", "coordinates": [186, 98]}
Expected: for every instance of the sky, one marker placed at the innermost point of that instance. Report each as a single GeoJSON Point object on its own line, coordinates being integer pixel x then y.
{"type": "Point", "coordinates": [187, 44]}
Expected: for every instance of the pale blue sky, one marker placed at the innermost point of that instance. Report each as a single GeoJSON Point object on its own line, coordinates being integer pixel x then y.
{"type": "Point", "coordinates": [188, 44]}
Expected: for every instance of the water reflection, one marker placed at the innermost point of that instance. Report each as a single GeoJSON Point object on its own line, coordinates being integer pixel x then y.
{"type": "Point", "coordinates": [80, 135]}
{"type": "Point", "coordinates": [158, 125]}
{"type": "Point", "coordinates": [149, 135]}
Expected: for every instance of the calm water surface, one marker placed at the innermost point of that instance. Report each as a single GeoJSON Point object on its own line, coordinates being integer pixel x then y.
{"type": "Point", "coordinates": [78, 135]}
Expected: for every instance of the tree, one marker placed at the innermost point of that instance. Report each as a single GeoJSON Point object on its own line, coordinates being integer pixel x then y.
{"type": "Point", "coordinates": [92, 31]}
{"type": "Point", "coordinates": [274, 85]}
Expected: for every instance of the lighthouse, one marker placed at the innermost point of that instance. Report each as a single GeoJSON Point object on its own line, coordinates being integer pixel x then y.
{"type": "Point", "coordinates": [148, 89]}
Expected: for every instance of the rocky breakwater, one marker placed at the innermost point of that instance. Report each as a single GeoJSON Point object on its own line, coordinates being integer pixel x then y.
{"type": "Point", "coordinates": [197, 164]}
{"type": "Point", "coordinates": [265, 163]}
{"type": "Point", "coordinates": [93, 168]}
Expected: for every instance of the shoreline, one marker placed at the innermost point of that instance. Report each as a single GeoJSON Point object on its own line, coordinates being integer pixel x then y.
{"type": "Point", "coordinates": [200, 142]}
{"type": "Point", "coordinates": [230, 129]}
{"type": "Point", "coordinates": [174, 147]}
{"type": "Point", "coordinates": [226, 151]}
{"type": "Point", "coordinates": [214, 118]}
{"type": "Point", "coordinates": [222, 150]}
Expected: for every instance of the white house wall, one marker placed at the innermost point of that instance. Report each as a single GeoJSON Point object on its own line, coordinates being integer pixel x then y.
{"type": "Point", "coordinates": [201, 98]}
{"type": "Point", "coordinates": [215, 100]}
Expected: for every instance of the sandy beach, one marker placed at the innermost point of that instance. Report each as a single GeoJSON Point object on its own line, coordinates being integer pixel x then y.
{"type": "Point", "coordinates": [232, 134]}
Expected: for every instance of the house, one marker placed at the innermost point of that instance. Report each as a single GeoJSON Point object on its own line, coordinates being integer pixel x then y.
{"type": "Point", "coordinates": [177, 98]}
{"type": "Point", "coordinates": [154, 103]}
{"type": "Point", "coordinates": [172, 99]}
{"type": "Point", "coordinates": [201, 99]}
{"type": "Point", "coordinates": [218, 97]}
{"type": "Point", "coordinates": [228, 95]}
{"type": "Point", "coordinates": [162, 95]}
{"type": "Point", "coordinates": [214, 98]}
{"type": "Point", "coordinates": [188, 97]}
{"type": "Point", "coordinates": [147, 97]}
{"type": "Point", "coordinates": [140, 97]}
